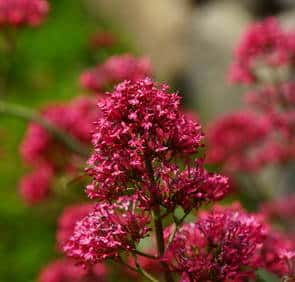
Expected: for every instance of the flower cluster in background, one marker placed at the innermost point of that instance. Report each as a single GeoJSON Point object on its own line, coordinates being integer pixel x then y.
{"type": "Point", "coordinates": [49, 157]}
{"type": "Point", "coordinates": [264, 59]}
{"type": "Point", "coordinates": [23, 12]}
{"type": "Point", "coordinates": [114, 70]}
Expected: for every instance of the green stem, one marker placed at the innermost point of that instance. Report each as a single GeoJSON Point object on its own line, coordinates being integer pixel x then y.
{"type": "Point", "coordinates": [143, 272]}
{"type": "Point", "coordinates": [30, 115]}
{"type": "Point", "coordinates": [138, 269]}
{"type": "Point", "coordinates": [177, 225]}
{"type": "Point", "coordinates": [137, 252]}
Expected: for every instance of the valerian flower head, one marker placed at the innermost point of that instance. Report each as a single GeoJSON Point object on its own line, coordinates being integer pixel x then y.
{"type": "Point", "coordinates": [23, 12]}
{"type": "Point", "coordinates": [264, 43]}
{"type": "Point", "coordinates": [227, 144]}
{"type": "Point", "coordinates": [68, 219]}
{"type": "Point", "coordinates": [41, 149]}
{"type": "Point", "coordinates": [66, 270]}
{"type": "Point", "coordinates": [190, 187]}
{"type": "Point", "coordinates": [76, 118]}
{"type": "Point", "coordinates": [142, 128]}
{"type": "Point", "coordinates": [107, 231]}
{"type": "Point", "coordinates": [114, 70]}
{"type": "Point", "coordinates": [222, 246]}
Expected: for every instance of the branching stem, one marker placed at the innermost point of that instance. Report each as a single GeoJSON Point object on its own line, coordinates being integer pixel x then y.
{"type": "Point", "coordinates": [30, 115]}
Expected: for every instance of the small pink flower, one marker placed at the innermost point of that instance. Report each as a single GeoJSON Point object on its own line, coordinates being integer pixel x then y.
{"type": "Point", "coordinates": [108, 230]}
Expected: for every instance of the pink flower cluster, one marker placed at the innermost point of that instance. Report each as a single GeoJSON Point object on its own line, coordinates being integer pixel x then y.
{"type": "Point", "coordinates": [225, 244]}
{"type": "Point", "coordinates": [23, 12]}
{"type": "Point", "coordinates": [140, 141]}
{"type": "Point", "coordinates": [65, 270]}
{"type": "Point", "coordinates": [263, 44]}
{"type": "Point", "coordinates": [142, 130]}
{"type": "Point", "coordinates": [237, 141]}
{"type": "Point", "coordinates": [50, 157]}
{"type": "Point", "coordinates": [248, 141]}
{"type": "Point", "coordinates": [108, 230]}
{"type": "Point", "coordinates": [189, 188]}
{"type": "Point", "coordinates": [114, 70]}
{"type": "Point", "coordinates": [245, 141]}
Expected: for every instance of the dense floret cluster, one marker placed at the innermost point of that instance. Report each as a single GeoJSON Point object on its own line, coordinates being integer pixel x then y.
{"type": "Point", "coordinates": [141, 132]}
{"type": "Point", "coordinates": [107, 231]}
{"type": "Point", "coordinates": [226, 244]}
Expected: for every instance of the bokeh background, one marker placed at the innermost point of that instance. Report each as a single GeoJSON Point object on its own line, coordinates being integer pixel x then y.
{"type": "Point", "coordinates": [190, 45]}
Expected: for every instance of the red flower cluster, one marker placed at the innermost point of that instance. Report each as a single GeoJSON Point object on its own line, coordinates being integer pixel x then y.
{"type": "Point", "coordinates": [248, 141]}
{"type": "Point", "coordinates": [226, 244]}
{"type": "Point", "coordinates": [114, 70]}
{"type": "Point", "coordinates": [189, 188]}
{"type": "Point", "coordinates": [238, 141]}
{"type": "Point", "coordinates": [42, 151]}
{"type": "Point", "coordinates": [263, 44]}
{"type": "Point", "coordinates": [142, 130]}
{"type": "Point", "coordinates": [108, 230]}
{"type": "Point", "coordinates": [68, 219]}
{"type": "Point", "coordinates": [23, 12]}
{"type": "Point", "coordinates": [223, 247]}
{"type": "Point", "coordinates": [65, 270]}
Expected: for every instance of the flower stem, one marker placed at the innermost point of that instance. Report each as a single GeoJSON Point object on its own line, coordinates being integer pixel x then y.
{"type": "Point", "coordinates": [137, 269]}
{"type": "Point", "coordinates": [143, 272]}
{"type": "Point", "coordinates": [157, 221]}
{"type": "Point", "coordinates": [177, 224]}
{"type": "Point", "coordinates": [137, 252]}
{"type": "Point", "coordinates": [30, 115]}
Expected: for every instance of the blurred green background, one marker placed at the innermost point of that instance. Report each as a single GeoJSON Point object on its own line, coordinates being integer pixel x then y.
{"type": "Point", "coordinates": [45, 67]}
